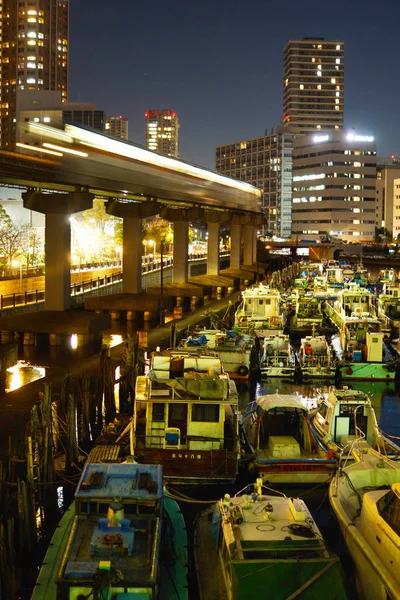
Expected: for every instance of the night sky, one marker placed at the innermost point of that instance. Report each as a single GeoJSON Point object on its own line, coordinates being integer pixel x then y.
{"type": "Point", "coordinates": [219, 64]}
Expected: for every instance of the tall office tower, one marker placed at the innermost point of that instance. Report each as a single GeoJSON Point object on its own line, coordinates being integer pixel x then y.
{"type": "Point", "coordinates": [313, 86]}
{"type": "Point", "coordinates": [265, 162]}
{"type": "Point", "coordinates": [117, 127]}
{"type": "Point", "coordinates": [162, 132]}
{"type": "Point", "coordinates": [334, 186]}
{"type": "Point", "coordinates": [34, 55]}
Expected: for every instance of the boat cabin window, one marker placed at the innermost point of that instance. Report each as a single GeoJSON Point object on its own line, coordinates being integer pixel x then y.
{"type": "Point", "coordinates": [206, 413]}
{"type": "Point", "coordinates": [159, 411]}
{"type": "Point", "coordinates": [389, 509]}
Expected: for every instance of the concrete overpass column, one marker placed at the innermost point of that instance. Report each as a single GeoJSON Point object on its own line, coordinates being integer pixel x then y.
{"type": "Point", "coordinates": [132, 255]}
{"type": "Point", "coordinates": [236, 242]}
{"type": "Point", "coordinates": [255, 243]}
{"type": "Point", "coordinates": [57, 208]}
{"type": "Point", "coordinates": [181, 247]}
{"type": "Point", "coordinates": [57, 260]}
{"type": "Point", "coordinates": [248, 242]}
{"type": "Point", "coordinates": [213, 249]}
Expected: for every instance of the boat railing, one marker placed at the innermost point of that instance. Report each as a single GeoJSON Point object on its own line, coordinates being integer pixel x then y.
{"type": "Point", "coordinates": [353, 449]}
{"type": "Point", "coordinates": [185, 443]}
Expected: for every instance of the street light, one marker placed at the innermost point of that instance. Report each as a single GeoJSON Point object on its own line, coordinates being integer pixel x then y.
{"type": "Point", "coordinates": [152, 243]}
{"type": "Point", "coordinates": [16, 263]}
{"type": "Point", "coordinates": [145, 246]}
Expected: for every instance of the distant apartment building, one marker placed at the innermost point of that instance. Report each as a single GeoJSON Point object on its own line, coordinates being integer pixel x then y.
{"type": "Point", "coordinates": [313, 86]}
{"type": "Point", "coordinates": [117, 127]}
{"type": "Point", "coordinates": [34, 55]}
{"type": "Point", "coordinates": [334, 186]}
{"type": "Point", "coordinates": [388, 194]}
{"type": "Point", "coordinates": [265, 162]}
{"type": "Point", "coordinates": [162, 132]}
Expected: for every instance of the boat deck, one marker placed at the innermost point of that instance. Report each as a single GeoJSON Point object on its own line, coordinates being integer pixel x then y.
{"type": "Point", "coordinates": [207, 560]}
{"type": "Point", "coordinates": [135, 568]}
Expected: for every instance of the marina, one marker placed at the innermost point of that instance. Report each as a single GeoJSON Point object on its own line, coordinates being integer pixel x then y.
{"type": "Point", "coordinates": [289, 421]}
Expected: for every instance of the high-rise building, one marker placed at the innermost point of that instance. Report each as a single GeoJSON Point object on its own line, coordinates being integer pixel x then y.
{"type": "Point", "coordinates": [117, 127]}
{"type": "Point", "coordinates": [265, 162]}
{"type": "Point", "coordinates": [84, 113]}
{"type": "Point", "coordinates": [313, 86]}
{"type": "Point", "coordinates": [334, 186]}
{"type": "Point", "coordinates": [162, 132]}
{"type": "Point", "coordinates": [34, 55]}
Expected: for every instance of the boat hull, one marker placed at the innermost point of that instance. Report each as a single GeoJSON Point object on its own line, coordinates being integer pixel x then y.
{"type": "Point", "coordinates": [192, 467]}
{"type": "Point", "coordinates": [313, 373]}
{"type": "Point", "coordinates": [365, 372]}
{"type": "Point", "coordinates": [280, 372]}
{"type": "Point", "coordinates": [293, 471]}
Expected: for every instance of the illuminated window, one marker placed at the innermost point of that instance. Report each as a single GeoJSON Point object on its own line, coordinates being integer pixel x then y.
{"type": "Point", "coordinates": [356, 210]}
{"type": "Point", "coordinates": [333, 80]}
{"type": "Point", "coordinates": [319, 87]}
{"type": "Point", "coordinates": [31, 80]}
{"type": "Point", "coordinates": [318, 126]}
{"type": "Point", "coordinates": [31, 34]}
{"type": "Point", "coordinates": [319, 67]}
{"type": "Point", "coordinates": [286, 82]}
{"type": "Point", "coordinates": [338, 47]}
{"type": "Point", "coordinates": [319, 73]}
{"type": "Point", "coordinates": [313, 60]}
{"type": "Point", "coordinates": [337, 94]}
{"type": "Point", "coordinates": [301, 86]}
{"type": "Point", "coordinates": [356, 221]}
{"type": "Point", "coordinates": [319, 47]}
{"type": "Point", "coordinates": [337, 100]}
{"type": "Point", "coordinates": [46, 119]}
{"type": "Point", "coordinates": [338, 61]}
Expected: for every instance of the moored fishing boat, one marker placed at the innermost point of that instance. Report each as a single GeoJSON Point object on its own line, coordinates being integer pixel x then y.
{"type": "Point", "coordinates": [315, 358]}
{"type": "Point", "coordinates": [365, 497]}
{"type": "Point", "coordinates": [344, 413]}
{"type": "Point", "coordinates": [278, 358]}
{"type": "Point", "coordinates": [389, 305]}
{"type": "Point", "coordinates": [236, 350]}
{"type": "Point", "coordinates": [268, 546]}
{"type": "Point", "coordinates": [260, 311]}
{"type": "Point", "coordinates": [276, 432]}
{"type": "Point", "coordinates": [387, 275]}
{"type": "Point", "coordinates": [118, 536]}
{"type": "Point", "coordinates": [185, 418]}
{"type": "Point", "coordinates": [364, 353]}
{"type": "Point", "coordinates": [306, 313]}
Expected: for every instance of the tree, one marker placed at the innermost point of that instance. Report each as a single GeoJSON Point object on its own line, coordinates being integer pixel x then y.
{"type": "Point", "coordinates": [157, 229]}
{"type": "Point", "coordinates": [383, 235]}
{"type": "Point", "coordinates": [96, 235]}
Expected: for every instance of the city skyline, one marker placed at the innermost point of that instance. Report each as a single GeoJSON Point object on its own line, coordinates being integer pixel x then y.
{"type": "Point", "coordinates": [223, 96]}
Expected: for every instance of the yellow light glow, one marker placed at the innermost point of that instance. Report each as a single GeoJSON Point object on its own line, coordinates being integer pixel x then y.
{"type": "Point", "coordinates": [36, 149]}
{"type": "Point", "coordinates": [74, 341]}
{"type": "Point", "coordinates": [66, 150]}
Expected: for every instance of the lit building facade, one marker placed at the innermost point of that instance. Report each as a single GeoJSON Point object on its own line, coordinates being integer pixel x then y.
{"type": "Point", "coordinates": [117, 127]}
{"type": "Point", "coordinates": [334, 186]}
{"type": "Point", "coordinates": [162, 132]}
{"type": "Point", "coordinates": [387, 194]}
{"type": "Point", "coordinates": [34, 55]}
{"type": "Point", "coordinates": [313, 86]}
{"type": "Point", "coordinates": [265, 162]}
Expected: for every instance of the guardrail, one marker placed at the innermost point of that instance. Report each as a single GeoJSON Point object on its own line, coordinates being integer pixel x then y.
{"type": "Point", "coordinates": [37, 297]}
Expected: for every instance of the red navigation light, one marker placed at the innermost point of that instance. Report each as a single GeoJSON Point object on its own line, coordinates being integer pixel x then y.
{"type": "Point", "coordinates": [146, 114]}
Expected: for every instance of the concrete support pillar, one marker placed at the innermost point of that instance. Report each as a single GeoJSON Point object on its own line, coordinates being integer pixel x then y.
{"type": "Point", "coordinates": [132, 255]}
{"type": "Point", "coordinates": [213, 249]}
{"type": "Point", "coordinates": [248, 241]}
{"type": "Point", "coordinates": [57, 262]}
{"type": "Point", "coordinates": [181, 246]}
{"type": "Point", "coordinates": [236, 231]}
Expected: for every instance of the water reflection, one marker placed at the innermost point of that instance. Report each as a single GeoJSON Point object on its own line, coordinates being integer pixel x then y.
{"type": "Point", "coordinates": [21, 374]}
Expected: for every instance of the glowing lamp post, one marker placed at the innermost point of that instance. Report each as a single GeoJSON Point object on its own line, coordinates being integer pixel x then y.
{"type": "Point", "coordinates": [145, 247]}
{"type": "Point", "coordinates": [153, 245]}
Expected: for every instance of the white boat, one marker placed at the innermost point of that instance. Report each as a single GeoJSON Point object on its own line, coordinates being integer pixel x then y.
{"type": "Point", "coordinates": [260, 311]}
{"type": "Point", "coordinates": [315, 358]}
{"type": "Point", "coordinates": [236, 350]}
{"type": "Point", "coordinates": [341, 415]}
{"type": "Point", "coordinates": [268, 546]}
{"type": "Point", "coordinates": [186, 419]}
{"type": "Point", "coordinates": [365, 497]}
{"type": "Point", "coordinates": [389, 305]}
{"type": "Point", "coordinates": [278, 358]}
{"type": "Point", "coordinates": [365, 356]}
{"type": "Point", "coordinates": [276, 431]}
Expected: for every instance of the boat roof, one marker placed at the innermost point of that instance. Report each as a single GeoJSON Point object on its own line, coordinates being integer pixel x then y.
{"type": "Point", "coordinates": [260, 290]}
{"type": "Point", "coordinates": [125, 481]}
{"type": "Point", "coordinates": [271, 401]}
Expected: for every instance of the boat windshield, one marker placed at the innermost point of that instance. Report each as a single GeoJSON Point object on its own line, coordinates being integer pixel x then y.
{"type": "Point", "coordinates": [389, 509]}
